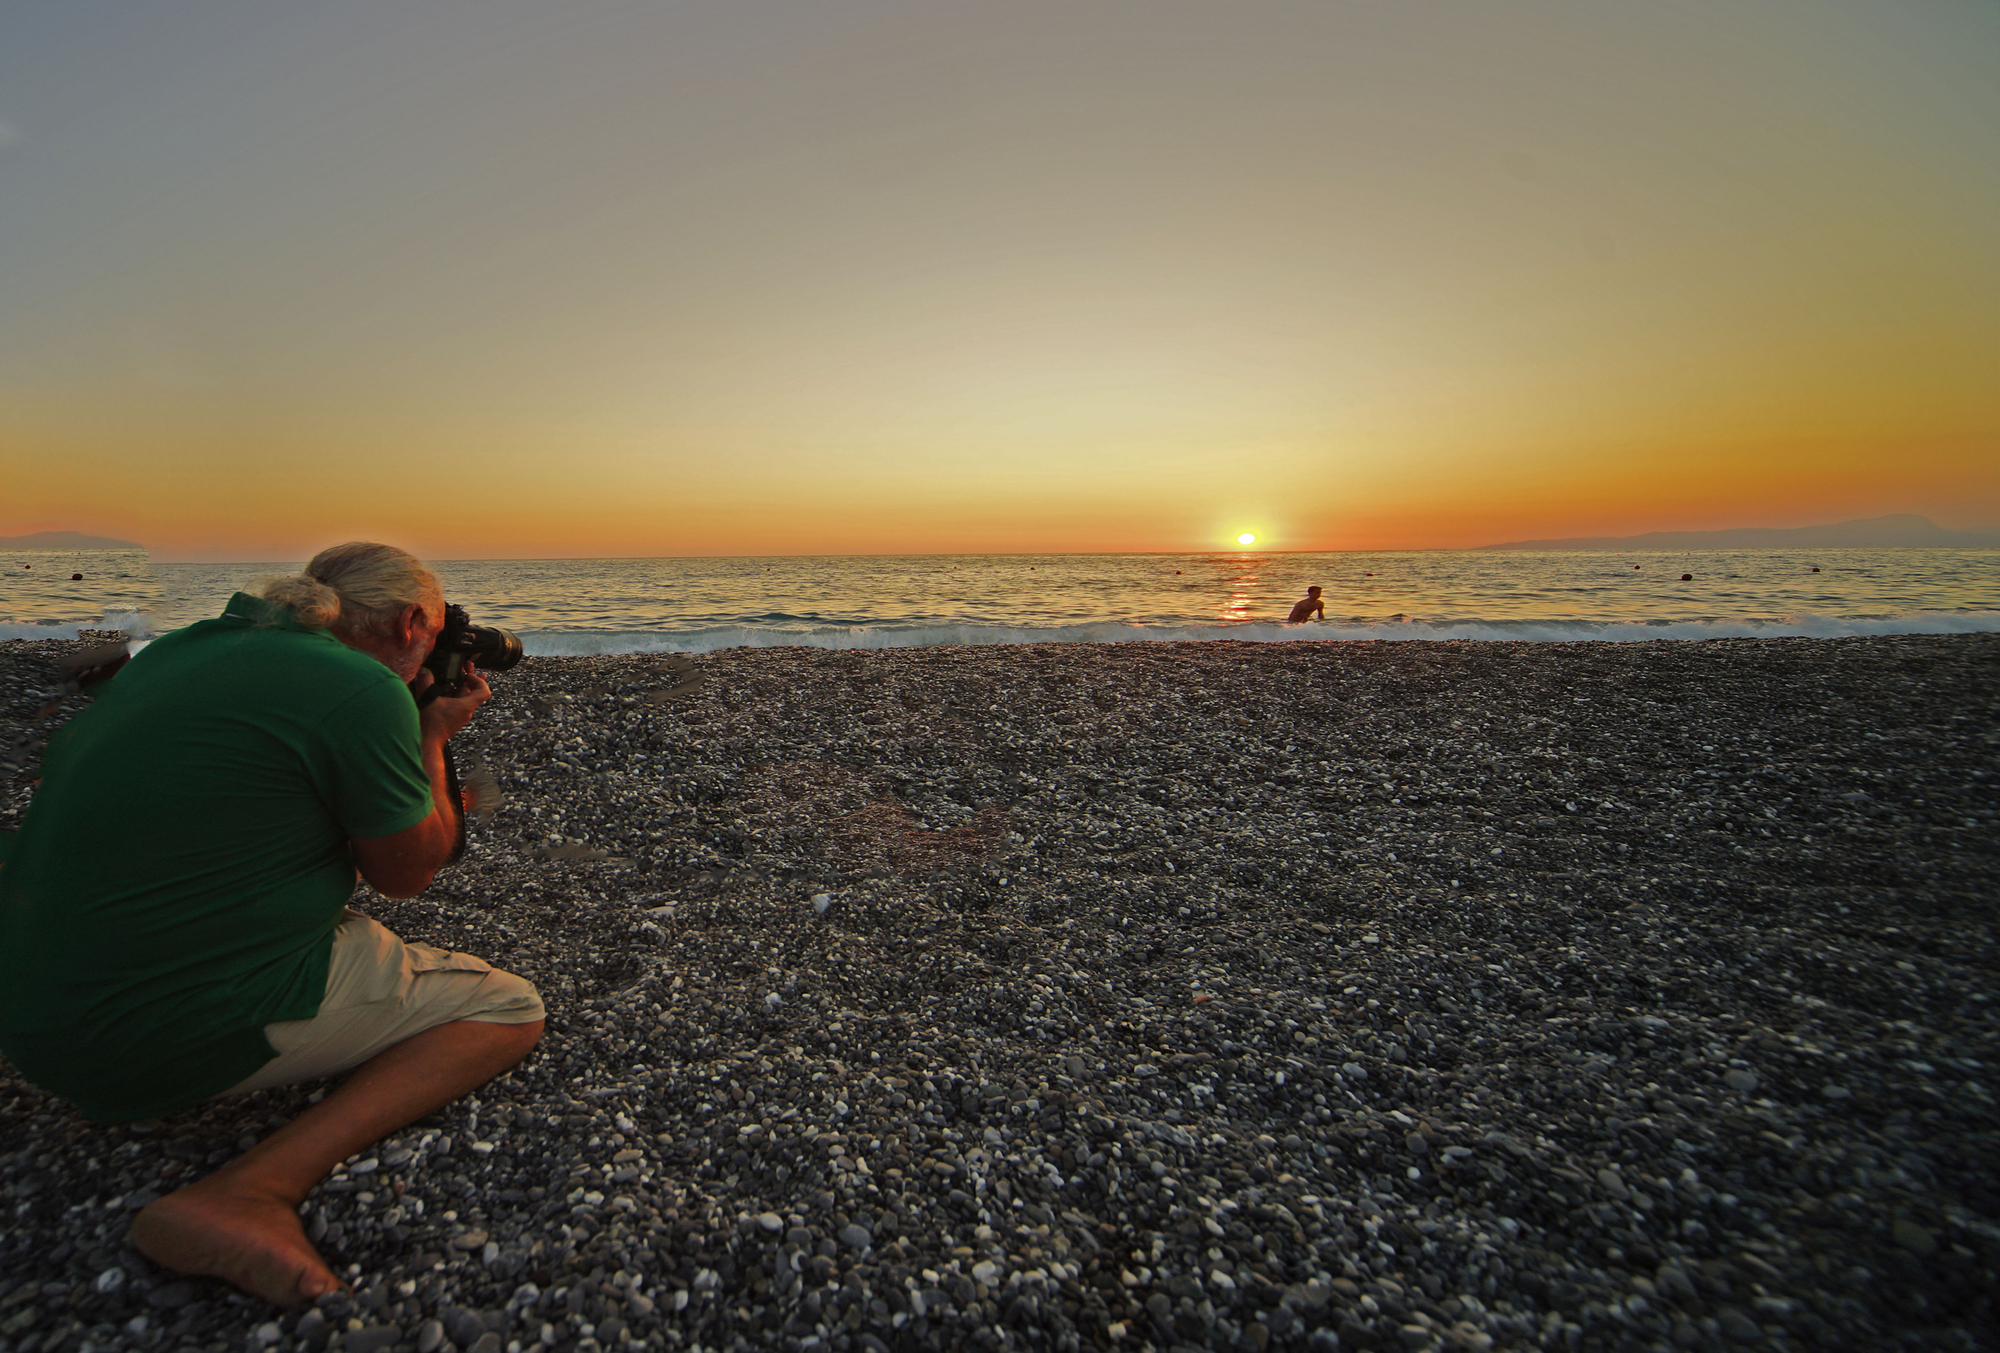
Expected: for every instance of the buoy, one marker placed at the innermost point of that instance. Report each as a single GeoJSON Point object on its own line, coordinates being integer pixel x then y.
{"type": "Point", "coordinates": [1815, 570]}
{"type": "Point", "coordinates": [1367, 575]}
{"type": "Point", "coordinates": [1635, 566]}
{"type": "Point", "coordinates": [1687, 577]}
{"type": "Point", "coordinates": [76, 577]}
{"type": "Point", "coordinates": [1177, 573]}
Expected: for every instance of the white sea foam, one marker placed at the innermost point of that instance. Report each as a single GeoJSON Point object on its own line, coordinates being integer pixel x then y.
{"type": "Point", "coordinates": [711, 639]}
{"type": "Point", "coordinates": [133, 623]}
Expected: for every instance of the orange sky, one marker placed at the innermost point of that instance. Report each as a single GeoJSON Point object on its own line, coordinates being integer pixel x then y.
{"type": "Point", "coordinates": [487, 279]}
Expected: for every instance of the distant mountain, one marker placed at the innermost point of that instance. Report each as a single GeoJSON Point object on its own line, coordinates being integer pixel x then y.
{"type": "Point", "coordinates": [66, 540]}
{"type": "Point", "coordinates": [1900, 531]}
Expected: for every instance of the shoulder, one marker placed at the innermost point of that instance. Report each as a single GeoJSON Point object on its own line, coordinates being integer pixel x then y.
{"type": "Point", "coordinates": [250, 666]}
{"type": "Point", "coordinates": [312, 668]}
{"type": "Point", "coordinates": [359, 681]}
{"type": "Point", "coordinates": [316, 651]}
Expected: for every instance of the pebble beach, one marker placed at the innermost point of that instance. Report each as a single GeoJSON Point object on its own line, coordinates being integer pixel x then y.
{"type": "Point", "coordinates": [1302, 995]}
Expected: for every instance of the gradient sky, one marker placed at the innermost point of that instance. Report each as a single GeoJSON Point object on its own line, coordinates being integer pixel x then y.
{"type": "Point", "coordinates": [487, 277]}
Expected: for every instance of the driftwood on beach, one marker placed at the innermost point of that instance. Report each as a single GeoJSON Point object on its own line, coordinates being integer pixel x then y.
{"type": "Point", "coordinates": [1398, 995]}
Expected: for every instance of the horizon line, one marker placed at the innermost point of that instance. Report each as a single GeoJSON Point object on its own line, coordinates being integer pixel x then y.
{"type": "Point", "coordinates": [1061, 554]}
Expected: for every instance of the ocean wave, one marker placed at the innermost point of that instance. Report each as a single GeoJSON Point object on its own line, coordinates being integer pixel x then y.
{"type": "Point", "coordinates": [708, 639]}
{"type": "Point", "coordinates": [134, 623]}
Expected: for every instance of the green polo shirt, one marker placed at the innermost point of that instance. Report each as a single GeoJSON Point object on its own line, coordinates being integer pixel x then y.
{"type": "Point", "coordinates": [180, 870]}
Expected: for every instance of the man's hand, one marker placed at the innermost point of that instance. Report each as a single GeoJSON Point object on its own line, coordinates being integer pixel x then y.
{"type": "Point", "coordinates": [448, 713]}
{"type": "Point", "coordinates": [403, 865]}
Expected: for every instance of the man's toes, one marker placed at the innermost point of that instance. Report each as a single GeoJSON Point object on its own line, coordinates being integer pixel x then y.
{"type": "Point", "coordinates": [286, 1279]}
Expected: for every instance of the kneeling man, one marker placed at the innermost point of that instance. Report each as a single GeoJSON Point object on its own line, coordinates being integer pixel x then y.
{"type": "Point", "coordinates": [173, 920]}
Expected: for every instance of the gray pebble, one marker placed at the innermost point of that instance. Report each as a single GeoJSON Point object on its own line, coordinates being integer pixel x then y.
{"type": "Point", "coordinates": [1912, 1237]}
{"type": "Point", "coordinates": [172, 1295]}
{"type": "Point", "coordinates": [1739, 1326]}
{"type": "Point", "coordinates": [462, 1325]}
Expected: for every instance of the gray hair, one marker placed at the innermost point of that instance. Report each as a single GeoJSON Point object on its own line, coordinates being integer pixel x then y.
{"type": "Point", "coordinates": [357, 589]}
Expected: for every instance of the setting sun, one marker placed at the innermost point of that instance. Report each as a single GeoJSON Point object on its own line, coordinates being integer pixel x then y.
{"type": "Point", "coordinates": [1246, 539]}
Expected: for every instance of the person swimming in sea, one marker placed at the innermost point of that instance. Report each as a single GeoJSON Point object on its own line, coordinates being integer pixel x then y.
{"type": "Point", "coordinates": [1308, 605]}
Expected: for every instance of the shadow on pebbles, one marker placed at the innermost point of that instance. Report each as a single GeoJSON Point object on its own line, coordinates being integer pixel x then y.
{"type": "Point", "coordinates": [1295, 996]}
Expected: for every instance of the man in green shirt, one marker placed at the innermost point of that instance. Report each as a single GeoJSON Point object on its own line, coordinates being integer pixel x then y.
{"type": "Point", "coordinates": [173, 920]}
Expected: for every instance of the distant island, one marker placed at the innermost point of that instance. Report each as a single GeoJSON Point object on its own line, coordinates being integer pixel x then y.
{"type": "Point", "coordinates": [1899, 531]}
{"type": "Point", "coordinates": [66, 540]}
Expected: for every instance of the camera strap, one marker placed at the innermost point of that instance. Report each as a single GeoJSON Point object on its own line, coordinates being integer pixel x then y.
{"type": "Point", "coordinates": [458, 802]}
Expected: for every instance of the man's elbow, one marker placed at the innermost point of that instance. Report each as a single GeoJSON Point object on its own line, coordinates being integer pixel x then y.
{"type": "Point", "coordinates": [403, 865]}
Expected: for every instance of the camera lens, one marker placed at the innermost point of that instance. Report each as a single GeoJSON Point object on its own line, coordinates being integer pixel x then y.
{"type": "Point", "coordinates": [495, 649]}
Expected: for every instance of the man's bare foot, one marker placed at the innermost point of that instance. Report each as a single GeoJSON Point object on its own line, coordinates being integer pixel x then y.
{"type": "Point", "coordinates": [244, 1238]}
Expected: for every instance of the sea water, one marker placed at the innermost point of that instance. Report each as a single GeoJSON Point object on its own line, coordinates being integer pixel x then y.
{"type": "Point", "coordinates": [577, 606]}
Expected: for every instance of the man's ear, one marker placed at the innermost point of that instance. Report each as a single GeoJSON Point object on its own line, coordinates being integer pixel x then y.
{"type": "Point", "coordinates": [408, 621]}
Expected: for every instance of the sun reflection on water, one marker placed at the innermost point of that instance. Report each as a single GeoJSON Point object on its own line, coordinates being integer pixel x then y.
{"type": "Point", "coordinates": [1247, 589]}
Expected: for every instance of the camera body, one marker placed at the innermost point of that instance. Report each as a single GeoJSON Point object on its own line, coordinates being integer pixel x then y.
{"type": "Point", "coordinates": [489, 646]}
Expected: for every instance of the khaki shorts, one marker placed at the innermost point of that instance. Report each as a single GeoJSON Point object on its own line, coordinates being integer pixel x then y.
{"type": "Point", "coordinates": [380, 991]}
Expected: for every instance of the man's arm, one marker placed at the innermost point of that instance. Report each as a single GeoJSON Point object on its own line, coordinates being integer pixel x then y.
{"type": "Point", "coordinates": [403, 863]}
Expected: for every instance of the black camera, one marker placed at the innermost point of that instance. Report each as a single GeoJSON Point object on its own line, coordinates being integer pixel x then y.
{"type": "Point", "coordinates": [491, 647]}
